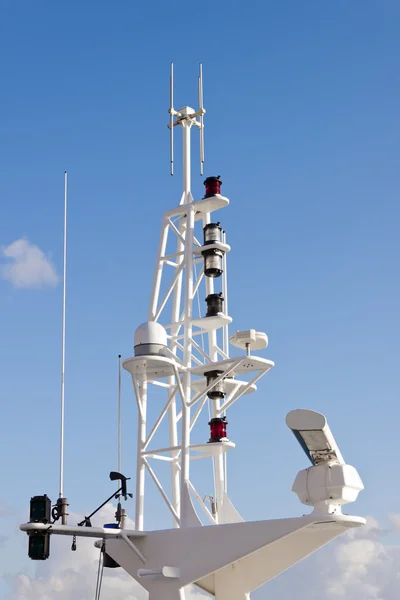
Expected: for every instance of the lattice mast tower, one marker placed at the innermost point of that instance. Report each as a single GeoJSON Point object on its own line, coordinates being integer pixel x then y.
{"type": "Point", "coordinates": [196, 377]}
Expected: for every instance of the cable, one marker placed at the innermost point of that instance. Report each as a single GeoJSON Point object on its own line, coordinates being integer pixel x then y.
{"type": "Point", "coordinates": [100, 570]}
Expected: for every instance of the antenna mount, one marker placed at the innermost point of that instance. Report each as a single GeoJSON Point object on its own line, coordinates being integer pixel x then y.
{"type": "Point", "coordinates": [183, 115]}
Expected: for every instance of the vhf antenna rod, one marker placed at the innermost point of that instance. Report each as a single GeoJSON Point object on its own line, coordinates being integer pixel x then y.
{"type": "Point", "coordinates": [171, 119]}
{"type": "Point", "coordinates": [201, 114]}
{"type": "Point", "coordinates": [63, 341]}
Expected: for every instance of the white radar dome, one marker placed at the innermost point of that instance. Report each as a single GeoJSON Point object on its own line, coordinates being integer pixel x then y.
{"type": "Point", "coordinates": [150, 340]}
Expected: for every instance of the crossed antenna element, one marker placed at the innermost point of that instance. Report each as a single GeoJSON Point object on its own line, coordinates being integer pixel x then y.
{"type": "Point", "coordinates": [180, 116]}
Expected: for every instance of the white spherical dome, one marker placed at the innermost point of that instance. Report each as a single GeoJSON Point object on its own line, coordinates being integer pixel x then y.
{"type": "Point", "coordinates": [150, 338]}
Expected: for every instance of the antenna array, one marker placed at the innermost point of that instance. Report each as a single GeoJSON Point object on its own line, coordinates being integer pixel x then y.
{"type": "Point", "coordinates": [175, 113]}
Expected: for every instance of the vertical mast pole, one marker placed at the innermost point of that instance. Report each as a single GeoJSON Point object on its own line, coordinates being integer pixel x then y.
{"type": "Point", "coordinates": [141, 396]}
{"type": "Point", "coordinates": [61, 488]}
{"type": "Point", "coordinates": [225, 346]}
{"type": "Point", "coordinates": [186, 127]}
{"type": "Point", "coordinates": [172, 417]}
{"type": "Point", "coordinates": [219, 481]}
{"type": "Point", "coordinates": [176, 309]}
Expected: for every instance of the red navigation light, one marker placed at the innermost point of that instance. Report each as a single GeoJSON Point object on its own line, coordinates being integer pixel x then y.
{"type": "Point", "coordinates": [213, 186]}
{"type": "Point", "coordinates": [218, 429]}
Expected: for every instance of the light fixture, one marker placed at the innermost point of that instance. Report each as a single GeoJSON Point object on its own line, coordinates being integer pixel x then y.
{"type": "Point", "coordinates": [214, 304]}
{"type": "Point", "coordinates": [39, 541]}
{"type": "Point", "coordinates": [213, 186]}
{"type": "Point", "coordinates": [212, 250]}
{"type": "Point", "coordinates": [218, 390]}
{"type": "Point", "coordinates": [217, 429]}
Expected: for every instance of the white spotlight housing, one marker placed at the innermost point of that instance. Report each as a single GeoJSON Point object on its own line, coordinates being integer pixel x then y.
{"type": "Point", "coordinates": [329, 483]}
{"type": "Point", "coordinates": [312, 431]}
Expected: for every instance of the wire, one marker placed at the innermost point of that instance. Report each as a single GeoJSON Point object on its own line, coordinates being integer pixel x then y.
{"type": "Point", "coordinates": [100, 571]}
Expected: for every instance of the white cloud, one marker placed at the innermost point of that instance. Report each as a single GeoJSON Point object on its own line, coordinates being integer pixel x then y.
{"type": "Point", "coordinates": [364, 566]}
{"type": "Point", "coordinates": [395, 519]}
{"type": "Point", "coordinates": [28, 266]}
{"type": "Point", "coordinates": [360, 565]}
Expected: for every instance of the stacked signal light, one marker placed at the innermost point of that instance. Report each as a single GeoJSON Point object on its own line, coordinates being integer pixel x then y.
{"type": "Point", "coordinates": [213, 257]}
{"type": "Point", "coordinates": [213, 250]}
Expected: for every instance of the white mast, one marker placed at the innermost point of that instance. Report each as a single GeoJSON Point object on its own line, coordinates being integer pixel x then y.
{"type": "Point", "coordinates": [184, 354]}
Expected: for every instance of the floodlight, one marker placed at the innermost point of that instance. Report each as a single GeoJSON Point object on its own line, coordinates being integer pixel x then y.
{"type": "Point", "coordinates": [312, 431]}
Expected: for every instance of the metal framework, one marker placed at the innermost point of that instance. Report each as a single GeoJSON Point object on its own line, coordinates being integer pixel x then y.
{"type": "Point", "coordinates": [196, 345]}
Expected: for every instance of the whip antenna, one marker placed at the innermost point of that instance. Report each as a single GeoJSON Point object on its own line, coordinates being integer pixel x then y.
{"type": "Point", "coordinates": [201, 115]}
{"type": "Point", "coordinates": [171, 119]}
{"type": "Point", "coordinates": [60, 510]}
{"type": "Point", "coordinates": [119, 413]}
{"type": "Point", "coordinates": [63, 341]}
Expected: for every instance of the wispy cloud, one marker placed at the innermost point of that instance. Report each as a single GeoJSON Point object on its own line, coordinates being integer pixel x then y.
{"type": "Point", "coordinates": [360, 565]}
{"type": "Point", "coordinates": [395, 519]}
{"type": "Point", "coordinates": [27, 265]}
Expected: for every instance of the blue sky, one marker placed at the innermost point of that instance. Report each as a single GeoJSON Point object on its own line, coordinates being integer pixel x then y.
{"type": "Point", "coordinates": [302, 124]}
